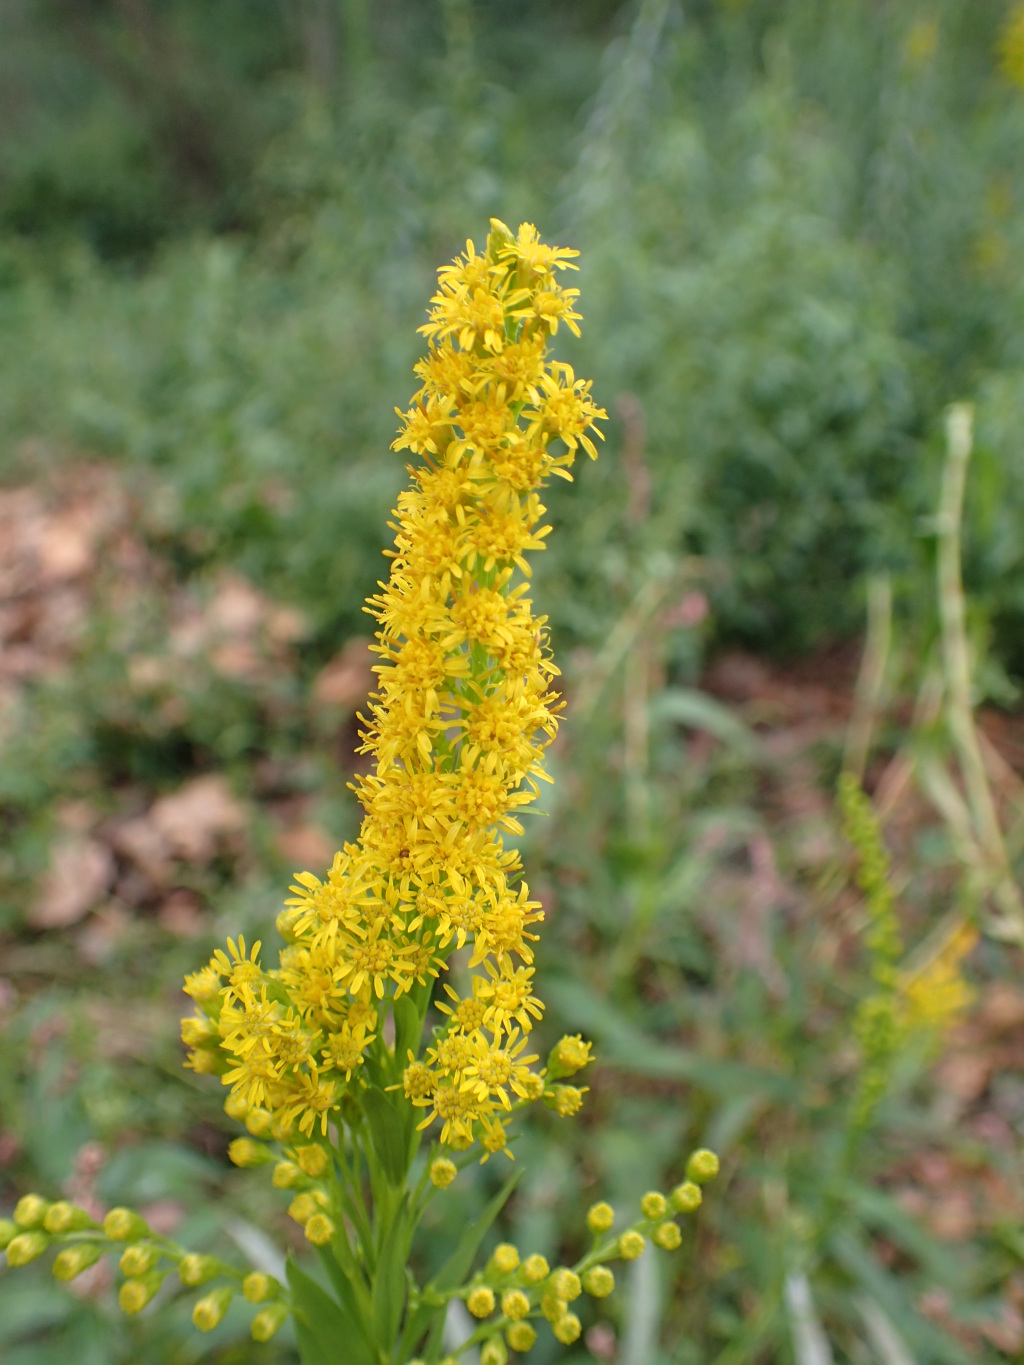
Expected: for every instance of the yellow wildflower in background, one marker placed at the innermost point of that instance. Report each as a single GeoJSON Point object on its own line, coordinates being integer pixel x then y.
{"type": "Point", "coordinates": [1011, 47]}
{"type": "Point", "coordinates": [457, 730]}
{"type": "Point", "coordinates": [935, 995]}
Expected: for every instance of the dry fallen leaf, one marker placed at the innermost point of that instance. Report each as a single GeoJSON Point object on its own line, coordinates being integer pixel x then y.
{"type": "Point", "coordinates": [198, 818]}
{"type": "Point", "coordinates": [346, 680]}
{"type": "Point", "coordinates": [78, 876]}
{"type": "Point", "coordinates": [306, 847]}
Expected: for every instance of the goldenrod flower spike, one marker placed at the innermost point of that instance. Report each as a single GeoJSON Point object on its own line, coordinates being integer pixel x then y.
{"type": "Point", "coordinates": [457, 729]}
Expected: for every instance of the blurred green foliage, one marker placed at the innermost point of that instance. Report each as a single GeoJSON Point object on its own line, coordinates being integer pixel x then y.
{"type": "Point", "coordinates": [800, 224]}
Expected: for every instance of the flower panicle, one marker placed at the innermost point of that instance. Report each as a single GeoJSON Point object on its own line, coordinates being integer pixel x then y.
{"type": "Point", "coordinates": [464, 709]}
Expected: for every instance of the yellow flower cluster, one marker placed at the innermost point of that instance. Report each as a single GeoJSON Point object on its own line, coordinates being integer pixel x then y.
{"type": "Point", "coordinates": [457, 731]}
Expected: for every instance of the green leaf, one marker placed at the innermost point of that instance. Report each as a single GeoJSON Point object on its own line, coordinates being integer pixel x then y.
{"type": "Point", "coordinates": [389, 1279]}
{"type": "Point", "coordinates": [388, 1129]}
{"type": "Point", "coordinates": [322, 1328]}
{"type": "Point", "coordinates": [455, 1270]}
{"type": "Point", "coordinates": [352, 1296]}
{"type": "Point", "coordinates": [877, 1281]}
{"type": "Point", "coordinates": [696, 710]}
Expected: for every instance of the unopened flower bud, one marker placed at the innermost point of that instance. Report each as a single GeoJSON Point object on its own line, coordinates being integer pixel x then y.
{"type": "Point", "coordinates": [195, 1269]}
{"type": "Point", "coordinates": [667, 1236]}
{"type": "Point", "coordinates": [685, 1198]}
{"type": "Point", "coordinates": [268, 1321]}
{"type": "Point", "coordinates": [8, 1231]}
{"type": "Point", "coordinates": [534, 1269]}
{"type": "Point", "coordinates": [319, 1229]}
{"type": "Point", "coordinates": [553, 1307]}
{"type": "Point", "coordinates": [442, 1172]}
{"type": "Point", "coordinates": [65, 1217]}
{"type": "Point", "coordinates": [566, 1284]}
{"type": "Point", "coordinates": [631, 1245]}
{"type": "Point", "coordinates": [312, 1160]}
{"type": "Point", "coordinates": [25, 1247]}
{"type": "Point", "coordinates": [653, 1205]}
{"type": "Point", "coordinates": [515, 1304]}
{"type": "Point", "coordinates": [565, 1100]}
{"type": "Point", "coordinates": [196, 1030]}
{"type": "Point", "coordinates": [494, 1352]}
{"type": "Point", "coordinates": [600, 1217]}
{"type": "Point", "coordinates": [134, 1294]}
{"type": "Point", "coordinates": [211, 1308]}
{"type": "Point", "coordinates": [245, 1152]}
{"type": "Point", "coordinates": [138, 1259]}
{"type": "Point", "coordinates": [567, 1328]}
{"type": "Point", "coordinates": [481, 1301]}
{"type": "Point", "coordinates": [521, 1336]}
{"type": "Point", "coordinates": [569, 1055]}
{"type": "Point", "coordinates": [30, 1211]}
{"type": "Point", "coordinates": [73, 1260]}
{"type": "Point", "coordinates": [702, 1166]}
{"type": "Point", "coordinates": [505, 1258]}
{"type": "Point", "coordinates": [286, 1175]}
{"type": "Point", "coordinates": [598, 1281]}
{"type": "Point", "coordinates": [258, 1287]}
{"type": "Point", "coordinates": [260, 1122]}
{"type": "Point", "coordinates": [204, 1062]}
{"type": "Point", "coordinates": [236, 1106]}
{"type": "Point", "coordinates": [302, 1208]}
{"type": "Point", "coordinates": [125, 1225]}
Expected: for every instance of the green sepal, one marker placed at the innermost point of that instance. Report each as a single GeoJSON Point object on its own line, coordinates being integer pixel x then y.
{"type": "Point", "coordinates": [323, 1329]}
{"type": "Point", "coordinates": [389, 1280]}
{"type": "Point", "coordinates": [408, 1028]}
{"type": "Point", "coordinates": [388, 1128]}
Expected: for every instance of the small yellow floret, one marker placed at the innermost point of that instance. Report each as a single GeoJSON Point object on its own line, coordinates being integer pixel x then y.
{"type": "Point", "coordinates": [442, 1172]}
{"type": "Point", "coordinates": [236, 1106]}
{"type": "Point", "coordinates": [687, 1197]}
{"type": "Point", "coordinates": [565, 1100]}
{"type": "Point", "coordinates": [667, 1236]}
{"type": "Point", "coordinates": [535, 1268]}
{"type": "Point", "coordinates": [260, 1122]}
{"type": "Point", "coordinates": [493, 1352]}
{"type": "Point", "coordinates": [481, 1301]}
{"type": "Point", "coordinates": [515, 1304]}
{"type": "Point", "coordinates": [631, 1245]}
{"type": "Point", "coordinates": [553, 1307]}
{"type": "Point", "coordinates": [521, 1336]}
{"type": "Point", "coordinates": [567, 1328]}
{"type": "Point", "coordinates": [319, 1229]}
{"type": "Point", "coordinates": [598, 1281]}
